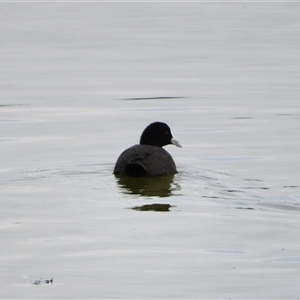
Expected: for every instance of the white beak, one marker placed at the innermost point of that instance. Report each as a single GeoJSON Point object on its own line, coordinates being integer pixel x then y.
{"type": "Point", "coordinates": [175, 142]}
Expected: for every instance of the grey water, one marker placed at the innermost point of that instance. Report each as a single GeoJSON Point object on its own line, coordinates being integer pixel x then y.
{"type": "Point", "coordinates": [80, 82]}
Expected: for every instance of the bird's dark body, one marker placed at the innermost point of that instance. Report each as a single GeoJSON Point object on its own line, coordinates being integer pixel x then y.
{"type": "Point", "coordinates": [145, 160]}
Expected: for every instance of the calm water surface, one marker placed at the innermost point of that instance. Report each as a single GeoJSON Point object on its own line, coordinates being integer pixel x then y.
{"type": "Point", "coordinates": [80, 81]}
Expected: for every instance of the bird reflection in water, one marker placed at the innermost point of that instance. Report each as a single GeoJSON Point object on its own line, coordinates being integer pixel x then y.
{"type": "Point", "coordinates": [148, 186]}
{"type": "Point", "coordinates": [154, 207]}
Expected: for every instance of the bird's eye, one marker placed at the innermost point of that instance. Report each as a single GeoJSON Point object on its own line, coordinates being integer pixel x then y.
{"type": "Point", "coordinates": [166, 133]}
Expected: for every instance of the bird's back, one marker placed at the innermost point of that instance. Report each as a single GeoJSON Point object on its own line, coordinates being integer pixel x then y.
{"type": "Point", "coordinates": [145, 160]}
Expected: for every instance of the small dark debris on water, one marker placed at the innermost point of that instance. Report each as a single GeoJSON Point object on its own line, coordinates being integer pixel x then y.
{"type": "Point", "coordinates": [41, 281]}
{"type": "Point", "coordinates": [153, 207]}
{"type": "Point", "coordinates": [37, 282]}
{"type": "Point", "coordinates": [249, 208]}
{"type": "Point", "coordinates": [49, 281]}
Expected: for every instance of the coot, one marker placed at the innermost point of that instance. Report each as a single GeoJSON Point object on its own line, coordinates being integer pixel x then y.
{"type": "Point", "coordinates": [148, 158]}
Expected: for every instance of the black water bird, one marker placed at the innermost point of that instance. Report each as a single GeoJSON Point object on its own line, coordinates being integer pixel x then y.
{"type": "Point", "coordinates": [148, 158]}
